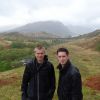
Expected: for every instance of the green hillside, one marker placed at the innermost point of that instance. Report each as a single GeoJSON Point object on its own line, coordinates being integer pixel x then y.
{"type": "Point", "coordinates": [14, 48]}
{"type": "Point", "coordinates": [86, 58]}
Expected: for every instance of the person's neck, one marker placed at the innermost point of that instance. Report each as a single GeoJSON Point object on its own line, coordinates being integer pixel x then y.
{"type": "Point", "coordinates": [63, 65]}
{"type": "Point", "coordinates": [40, 62]}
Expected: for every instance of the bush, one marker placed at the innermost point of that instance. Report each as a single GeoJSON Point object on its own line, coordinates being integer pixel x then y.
{"type": "Point", "coordinates": [4, 65]}
{"type": "Point", "coordinates": [13, 54]}
{"type": "Point", "coordinates": [10, 58]}
{"type": "Point", "coordinates": [18, 45]}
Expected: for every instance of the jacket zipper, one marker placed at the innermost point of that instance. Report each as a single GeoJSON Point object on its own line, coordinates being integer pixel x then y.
{"type": "Point", "coordinates": [38, 86]}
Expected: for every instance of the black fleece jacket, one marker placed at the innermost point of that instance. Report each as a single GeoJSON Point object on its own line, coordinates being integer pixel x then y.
{"type": "Point", "coordinates": [38, 81]}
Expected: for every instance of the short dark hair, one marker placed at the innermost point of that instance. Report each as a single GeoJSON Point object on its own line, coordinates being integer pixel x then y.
{"type": "Point", "coordinates": [63, 50]}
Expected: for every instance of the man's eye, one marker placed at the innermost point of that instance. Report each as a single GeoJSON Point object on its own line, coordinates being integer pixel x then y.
{"type": "Point", "coordinates": [63, 56]}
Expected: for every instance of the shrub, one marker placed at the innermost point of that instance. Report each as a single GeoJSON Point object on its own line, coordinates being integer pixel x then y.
{"type": "Point", "coordinates": [18, 45]}
{"type": "Point", "coordinates": [4, 65]}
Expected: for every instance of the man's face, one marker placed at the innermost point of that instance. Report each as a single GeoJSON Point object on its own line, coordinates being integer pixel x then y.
{"type": "Point", "coordinates": [39, 54]}
{"type": "Point", "coordinates": [62, 57]}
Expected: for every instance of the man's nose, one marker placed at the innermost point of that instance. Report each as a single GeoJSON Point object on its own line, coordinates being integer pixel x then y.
{"type": "Point", "coordinates": [61, 58]}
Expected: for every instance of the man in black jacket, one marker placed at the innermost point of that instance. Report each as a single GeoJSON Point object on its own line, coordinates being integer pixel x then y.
{"type": "Point", "coordinates": [38, 81]}
{"type": "Point", "coordinates": [70, 84]}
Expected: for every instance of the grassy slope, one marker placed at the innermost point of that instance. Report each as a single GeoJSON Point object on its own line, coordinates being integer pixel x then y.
{"type": "Point", "coordinates": [87, 61]}
{"type": "Point", "coordinates": [89, 42]}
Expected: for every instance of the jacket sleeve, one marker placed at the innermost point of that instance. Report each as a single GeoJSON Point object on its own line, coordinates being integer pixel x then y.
{"type": "Point", "coordinates": [77, 87]}
{"type": "Point", "coordinates": [25, 80]}
{"type": "Point", "coordinates": [52, 82]}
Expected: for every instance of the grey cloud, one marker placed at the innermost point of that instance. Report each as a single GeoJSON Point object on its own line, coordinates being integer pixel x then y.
{"type": "Point", "coordinates": [90, 12]}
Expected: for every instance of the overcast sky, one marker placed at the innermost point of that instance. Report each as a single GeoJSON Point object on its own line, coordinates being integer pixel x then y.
{"type": "Point", "coordinates": [74, 12]}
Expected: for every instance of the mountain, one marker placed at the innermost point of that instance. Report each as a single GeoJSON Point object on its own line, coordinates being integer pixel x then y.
{"type": "Point", "coordinates": [55, 28]}
{"type": "Point", "coordinates": [89, 41]}
{"type": "Point", "coordinates": [37, 35]}
{"type": "Point", "coordinates": [94, 33]}
{"type": "Point", "coordinates": [91, 34]}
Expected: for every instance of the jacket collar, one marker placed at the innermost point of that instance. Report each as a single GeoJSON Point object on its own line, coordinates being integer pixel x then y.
{"type": "Point", "coordinates": [65, 68]}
